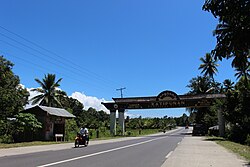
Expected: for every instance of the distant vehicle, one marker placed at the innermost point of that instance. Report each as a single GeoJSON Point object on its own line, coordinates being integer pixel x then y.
{"type": "Point", "coordinates": [214, 130]}
{"type": "Point", "coordinates": [186, 127]}
{"type": "Point", "coordinates": [199, 130]}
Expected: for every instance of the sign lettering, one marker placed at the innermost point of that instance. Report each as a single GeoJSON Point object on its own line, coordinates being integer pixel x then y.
{"type": "Point", "coordinates": [167, 95]}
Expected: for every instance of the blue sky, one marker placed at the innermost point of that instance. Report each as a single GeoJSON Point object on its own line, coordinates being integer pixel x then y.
{"type": "Point", "coordinates": [97, 46]}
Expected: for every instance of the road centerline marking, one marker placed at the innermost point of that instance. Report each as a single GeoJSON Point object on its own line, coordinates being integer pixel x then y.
{"type": "Point", "coordinates": [98, 153]}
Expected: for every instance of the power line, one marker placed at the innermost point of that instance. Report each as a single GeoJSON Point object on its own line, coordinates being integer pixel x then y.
{"type": "Point", "coordinates": [45, 56]}
{"type": "Point", "coordinates": [41, 68]}
{"type": "Point", "coordinates": [80, 68]}
{"type": "Point", "coordinates": [44, 59]}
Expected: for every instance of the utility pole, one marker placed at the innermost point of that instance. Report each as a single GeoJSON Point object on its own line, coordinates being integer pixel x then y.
{"type": "Point", "coordinates": [121, 91]}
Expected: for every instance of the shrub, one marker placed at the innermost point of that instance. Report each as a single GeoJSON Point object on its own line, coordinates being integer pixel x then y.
{"type": "Point", "coordinates": [129, 133]}
{"type": "Point", "coordinates": [248, 140]}
{"type": "Point", "coordinates": [6, 139]}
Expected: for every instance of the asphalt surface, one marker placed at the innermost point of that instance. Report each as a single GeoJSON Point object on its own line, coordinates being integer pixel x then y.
{"type": "Point", "coordinates": [150, 151]}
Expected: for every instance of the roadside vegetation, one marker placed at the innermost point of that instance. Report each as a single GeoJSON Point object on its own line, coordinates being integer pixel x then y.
{"type": "Point", "coordinates": [232, 34]}
{"type": "Point", "coordinates": [99, 128]}
{"type": "Point", "coordinates": [240, 149]}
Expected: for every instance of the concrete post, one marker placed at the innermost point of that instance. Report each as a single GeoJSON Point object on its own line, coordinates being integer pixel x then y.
{"type": "Point", "coordinates": [221, 122]}
{"type": "Point", "coordinates": [122, 120]}
{"type": "Point", "coordinates": [113, 122]}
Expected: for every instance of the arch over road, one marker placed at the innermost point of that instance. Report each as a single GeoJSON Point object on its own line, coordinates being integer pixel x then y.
{"type": "Point", "coordinates": [166, 99]}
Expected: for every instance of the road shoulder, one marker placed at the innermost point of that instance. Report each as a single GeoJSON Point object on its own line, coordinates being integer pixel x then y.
{"type": "Point", "coordinates": [195, 151]}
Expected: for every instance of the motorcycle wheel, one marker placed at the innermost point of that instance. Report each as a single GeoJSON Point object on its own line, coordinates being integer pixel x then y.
{"type": "Point", "coordinates": [77, 143]}
{"type": "Point", "coordinates": [86, 143]}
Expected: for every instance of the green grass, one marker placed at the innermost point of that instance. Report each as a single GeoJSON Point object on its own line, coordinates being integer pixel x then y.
{"type": "Point", "coordinates": [242, 150]}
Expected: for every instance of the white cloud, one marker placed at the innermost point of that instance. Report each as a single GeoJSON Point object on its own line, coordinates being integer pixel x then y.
{"type": "Point", "coordinates": [87, 101]}
{"type": "Point", "coordinates": [32, 94]}
{"type": "Point", "coordinates": [132, 115]}
{"type": "Point", "coordinates": [90, 101]}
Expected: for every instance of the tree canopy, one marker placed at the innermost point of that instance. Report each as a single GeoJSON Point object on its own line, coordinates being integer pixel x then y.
{"type": "Point", "coordinates": [233, 29]}
{"type": "Point", "coordinates": [232, 33]}
{"type": "Point", "coordinates": [12, 95]}
{"type": "Point", "coordinates": [13, 98]}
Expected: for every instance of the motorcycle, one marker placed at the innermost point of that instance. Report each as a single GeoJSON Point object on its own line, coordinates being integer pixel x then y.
{"type": "Point", "coordinates": [81, 140]}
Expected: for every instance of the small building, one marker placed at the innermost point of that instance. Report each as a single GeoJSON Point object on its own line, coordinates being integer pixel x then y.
{"type": "Point", "coordinates": [53, 122]}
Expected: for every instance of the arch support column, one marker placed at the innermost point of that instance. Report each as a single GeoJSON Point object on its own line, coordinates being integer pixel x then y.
{"type": "Point", "coordinates": [113, 122]}
{"type": "Point", "coordinates": [122, 120]}
{"type": "Point", "coordinates": [221, 122]}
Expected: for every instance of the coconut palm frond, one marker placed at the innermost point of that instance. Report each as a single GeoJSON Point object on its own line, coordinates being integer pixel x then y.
{"type": "Point", "coordinates": [40, 83]}
{"type": "Point", "coordinates": [37, 99]}
{"type": "Point", "coordinates": [48, 89]}
{"type": "Point", "coordinates": [208, 66]}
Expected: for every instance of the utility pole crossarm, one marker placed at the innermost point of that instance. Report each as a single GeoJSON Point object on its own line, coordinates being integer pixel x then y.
{"type": "Point", "coordinates": [121, 91]}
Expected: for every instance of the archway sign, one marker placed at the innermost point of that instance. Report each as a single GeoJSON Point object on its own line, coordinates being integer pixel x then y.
{"type": "Point", "coordinates": [166, 99]}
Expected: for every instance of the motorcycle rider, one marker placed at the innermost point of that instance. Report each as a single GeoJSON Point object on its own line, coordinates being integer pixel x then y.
{"type": "Point", "coordinates": [85, 133]}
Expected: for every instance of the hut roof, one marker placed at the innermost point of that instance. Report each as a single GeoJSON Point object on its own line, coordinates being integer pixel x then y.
{"type": "Point", "coordinates": [60, 112]}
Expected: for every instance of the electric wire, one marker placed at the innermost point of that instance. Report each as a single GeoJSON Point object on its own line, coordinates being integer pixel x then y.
{"type": "Point", "coordinates": [44, 58]}
{"type": "Point", "coordinates": [42, 69]}
{"type": "Point", "coordinates": [85, 70]}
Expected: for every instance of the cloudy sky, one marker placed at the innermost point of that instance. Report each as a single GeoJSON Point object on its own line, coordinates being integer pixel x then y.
{"type": "Point", "coordinates": [87, 101]}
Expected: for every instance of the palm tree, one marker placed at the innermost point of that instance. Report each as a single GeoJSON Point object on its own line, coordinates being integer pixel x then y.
{"type": "Point", "coordinates": [201, 85]}
{"type": "Point", "coordinates": [208, 66]}
{"type": "Point", "coordinates": [243, 72]}
{"type": "Point", "coordinates": [228, 85]}
{"type": "Point", "coordinates": [48, 91]}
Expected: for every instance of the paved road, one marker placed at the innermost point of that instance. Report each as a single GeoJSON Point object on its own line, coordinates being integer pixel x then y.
{"type": "Point", "coordinates": [150, 151]}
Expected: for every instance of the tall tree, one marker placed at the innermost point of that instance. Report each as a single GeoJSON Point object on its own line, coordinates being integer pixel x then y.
{"type": "Point", "coordinates": [237, 113]}
{"type": "Point", "coordinates": [48, 91]}
{"type": "Point", "coordinates": [232, 31]}
{"type": "Point", "coordinates": [202, 85]}
{"type": "Point", "coordinates": [208, 66]}
{"type": "Point", "coordinates": [12, 95]}
{"type": "Point", "coordinates": [12, 99]}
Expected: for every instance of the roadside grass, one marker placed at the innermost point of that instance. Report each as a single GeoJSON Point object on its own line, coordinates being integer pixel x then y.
{"type": "Point", "coordinates": [129, 133]}
{"type": "Point", "coordinates": [102, 136]}
{"type": "Point", "coordinates": [242, 150]}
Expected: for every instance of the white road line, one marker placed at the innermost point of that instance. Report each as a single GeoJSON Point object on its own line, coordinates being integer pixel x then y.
{"type": "Point", "coordinates": [98, 153]}
{"type": "Point", "coordinates": [169, 154]}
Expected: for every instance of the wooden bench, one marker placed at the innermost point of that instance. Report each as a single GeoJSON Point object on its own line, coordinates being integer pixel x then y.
{"type": "Point", "coordinates": [59, 136]}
